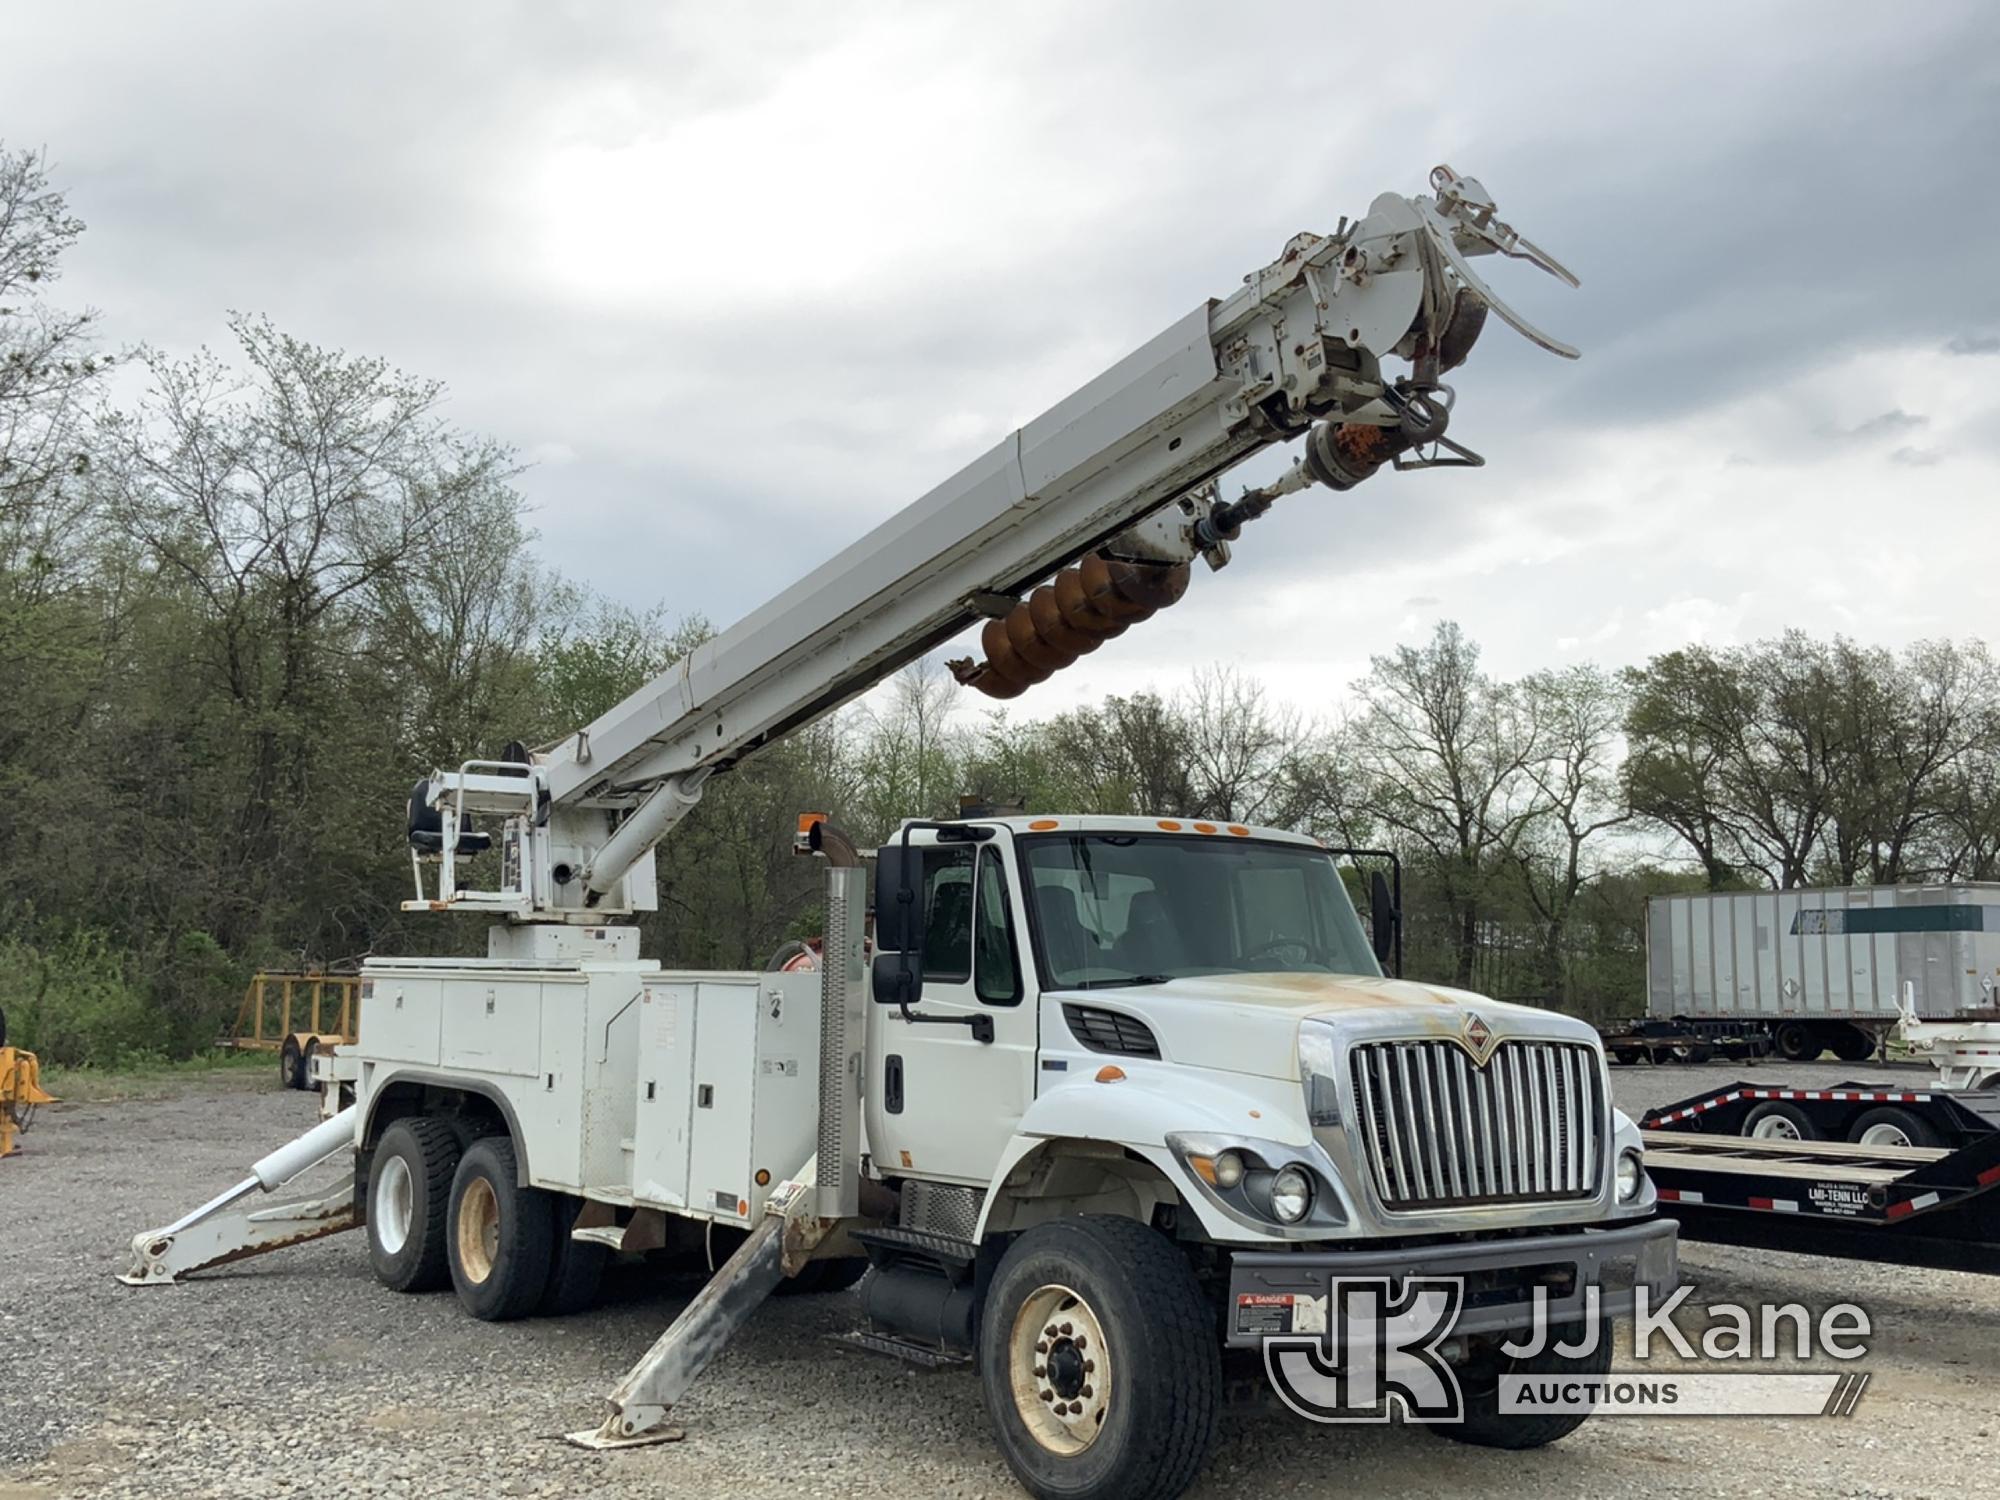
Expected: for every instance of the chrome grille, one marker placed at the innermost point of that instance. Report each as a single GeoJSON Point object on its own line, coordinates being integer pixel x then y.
{"type": "Point", "coordinates": [1443, 1132]}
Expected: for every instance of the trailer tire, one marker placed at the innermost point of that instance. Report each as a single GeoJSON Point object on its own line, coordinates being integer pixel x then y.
{"type": "Point", "coordinates": [1889, 1126]}
{"type": "Point", "coordinates": [576, 1267]}
{"type": "Point", "coordinates": [291, 1064]}
{"type": "Point", "coordinates": [1854, 1045]}
{"type": "Point", "coordinates": [409, 1196]}
{"type": "Point", "coordinates": [1133, 1320]}
{"type": "Point", "coordinates": [1486, 1426]}
{"type": "Point", "coordinates": [502, 1235]}
{"type": "Point", "coordinates": [306, 1064]}
{"type": "Point", "coordinates": [1797, 1042]}
{"type": "Point", "coordinates": [1775, 1120]}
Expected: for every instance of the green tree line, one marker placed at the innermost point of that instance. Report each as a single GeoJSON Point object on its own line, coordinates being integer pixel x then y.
{"type": "Point", "coordinates": [246, 603]}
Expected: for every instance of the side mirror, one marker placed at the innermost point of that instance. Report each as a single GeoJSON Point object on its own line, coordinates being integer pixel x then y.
{"type": "Point", "coordinates": [899, 916]}
{"type": "Point", "coordinates": [887, 976]}
{"type": "Point", "coordinates": [1383, 917]}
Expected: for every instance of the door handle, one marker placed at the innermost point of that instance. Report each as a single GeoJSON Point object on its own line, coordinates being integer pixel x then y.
{"type": "Point", "coordinates": [892, 1083]}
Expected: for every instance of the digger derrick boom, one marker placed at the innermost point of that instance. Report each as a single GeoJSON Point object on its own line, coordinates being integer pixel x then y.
{"type": "Point", "coordinates": [1104, 501]}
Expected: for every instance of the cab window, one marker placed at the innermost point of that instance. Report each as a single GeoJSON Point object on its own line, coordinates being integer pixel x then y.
{"type": "Point", "coordinates": [948, 914]}
{"type": "Point", "coordinates": [998, 972]}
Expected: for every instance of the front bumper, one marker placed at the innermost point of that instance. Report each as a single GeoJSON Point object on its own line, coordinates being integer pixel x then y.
{"type": "Point", "coordinates": [1279, 1293]}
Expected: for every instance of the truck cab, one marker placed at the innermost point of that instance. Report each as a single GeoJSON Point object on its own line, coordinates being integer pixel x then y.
{"type": "Point", "coordinates": [1185, 1025]}
{"type": "Point", "coordinates": [1170, 985]}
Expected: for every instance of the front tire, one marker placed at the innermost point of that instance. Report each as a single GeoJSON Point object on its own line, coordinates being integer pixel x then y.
{"type": "Point", "coordinates": [1486, 1426]}
{"type": "Point", "coordinates": [1098, 1362]}
{"type": "Point", "coordinates": [502, 1234]}
{"type": "Point", "coordinates": [409, 1196]}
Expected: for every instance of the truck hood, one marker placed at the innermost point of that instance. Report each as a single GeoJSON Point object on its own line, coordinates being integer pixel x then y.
{"type": "Point", "coordinates": [1249, 1023]}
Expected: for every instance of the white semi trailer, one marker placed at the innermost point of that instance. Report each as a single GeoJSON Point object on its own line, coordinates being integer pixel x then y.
{"type": "Point", "coordinates": [1112, 1095]}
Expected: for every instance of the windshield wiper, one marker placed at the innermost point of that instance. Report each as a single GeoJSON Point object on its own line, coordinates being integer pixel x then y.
{"type": "Point", "coordinates": [1128, 979]}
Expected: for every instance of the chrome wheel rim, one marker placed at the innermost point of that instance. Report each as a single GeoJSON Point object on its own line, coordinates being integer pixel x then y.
{"type": "Point", "coordinates": [1885, 1135]}
{"type": "Point", "coordinates": [395, 1204]}
{"type": "Point", "coordinates": [478, 1230]}
{"type": "Point", "coordinates": [1775, 1128]}
{"type": "Point", "coordinates": [1059, 1368]}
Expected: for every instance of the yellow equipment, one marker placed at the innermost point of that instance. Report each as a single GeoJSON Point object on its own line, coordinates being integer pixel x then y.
{"type": "Point", "coordinates": [20, 1093]}
{"type": "Point", "coordinates": [296, 1015]}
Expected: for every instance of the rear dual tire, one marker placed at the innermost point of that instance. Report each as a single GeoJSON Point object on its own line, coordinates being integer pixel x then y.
{"type": "Point", "coordinates": [501, 1244]}
{"type": "Point", "coordinates": [409, 1202]}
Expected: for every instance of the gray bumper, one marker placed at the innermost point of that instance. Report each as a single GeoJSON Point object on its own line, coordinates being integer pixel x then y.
{"type": "Point", "coordinates": [1271, 1293]}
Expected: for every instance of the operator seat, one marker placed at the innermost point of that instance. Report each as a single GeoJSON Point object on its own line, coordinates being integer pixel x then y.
{"type": "Point", "coordinates": [1067, 941]}
{"type": "Point", "coordinates": [1150, 943]}
{"type": "Point", "coordinates": [427, 827]}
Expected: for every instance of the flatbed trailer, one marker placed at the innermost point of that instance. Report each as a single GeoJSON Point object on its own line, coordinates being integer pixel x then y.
{"type": "Point", "coordinates": [1865, 1114]}
{"type": "Point", "coordinates": [1926, 1205]}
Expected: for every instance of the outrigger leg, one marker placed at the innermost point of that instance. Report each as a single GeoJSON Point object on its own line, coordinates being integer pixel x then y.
{"type": "Point", "coordinates": [776, 1248]}
{"type": "Point", "coordinates": [211, 1236]}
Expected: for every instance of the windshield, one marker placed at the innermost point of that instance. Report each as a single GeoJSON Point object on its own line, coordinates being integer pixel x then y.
{"type": "Point", "coordinates": [1118, 909]}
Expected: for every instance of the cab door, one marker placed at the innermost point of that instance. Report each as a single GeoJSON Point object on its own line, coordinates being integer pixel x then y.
{"type": "Point", "coordinates": [940, 1102]}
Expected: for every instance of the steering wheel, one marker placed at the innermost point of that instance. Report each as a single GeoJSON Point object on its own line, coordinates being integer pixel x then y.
{"type": "Point", "coordinates": [1282, 949]}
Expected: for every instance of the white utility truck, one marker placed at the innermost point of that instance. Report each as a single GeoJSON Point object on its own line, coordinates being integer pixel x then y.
{"type": "Point", "coordinates": [1105, 1098]}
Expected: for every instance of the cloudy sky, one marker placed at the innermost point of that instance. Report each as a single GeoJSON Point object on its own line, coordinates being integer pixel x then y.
{"type": "Point", "coordinates": [740, 282]}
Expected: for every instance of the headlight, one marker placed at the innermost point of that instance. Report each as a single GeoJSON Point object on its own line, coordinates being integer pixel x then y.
{"type": "Point", "coordinates": [1631, 1176]}
{"type": "Point", "coordinates": [1228, 1169]}
{"type": "Point", "coordinates": [1291, 1194]}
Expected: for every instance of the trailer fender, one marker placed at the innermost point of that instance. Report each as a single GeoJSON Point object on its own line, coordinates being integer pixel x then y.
{"type": "Point", "coordinates": [1120, 1131]}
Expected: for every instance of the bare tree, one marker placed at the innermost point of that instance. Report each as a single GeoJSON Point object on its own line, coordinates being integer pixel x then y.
{"type": "Point", "coordinates": [1445, 751]}
{"type": "Point", "coordinates": [277, 498]}
{"type": "Point", "coordinates": [913, 749]}
{"type": "Point", "coordinates": [48, 368]}
{"type": "Point", "coordinates": [1577, 713]}
{"type": "Point", "coordinates": [1237, 746]}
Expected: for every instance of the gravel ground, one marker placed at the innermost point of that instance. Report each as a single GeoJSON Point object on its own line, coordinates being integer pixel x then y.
{"type": "Point", "coordinates": [298, 1371]}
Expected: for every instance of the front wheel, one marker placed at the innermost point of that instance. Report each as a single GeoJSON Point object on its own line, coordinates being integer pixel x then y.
{"type": "Point", "coordinates": [1098, 1360]}
{"type": "Point", "coordinates": [1486, 1426]}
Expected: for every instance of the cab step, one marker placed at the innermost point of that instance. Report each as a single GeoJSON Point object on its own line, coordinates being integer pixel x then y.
{"type": "Point", "coordinates": [918, 1356]}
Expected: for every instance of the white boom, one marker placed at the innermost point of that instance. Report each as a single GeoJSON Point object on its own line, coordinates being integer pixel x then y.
{"type": "Point", "coordinates": [1118, 475]}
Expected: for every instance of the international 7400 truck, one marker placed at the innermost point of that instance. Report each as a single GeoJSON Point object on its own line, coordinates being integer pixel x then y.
{"type": "Point", "coordinates": [1100, 1099]}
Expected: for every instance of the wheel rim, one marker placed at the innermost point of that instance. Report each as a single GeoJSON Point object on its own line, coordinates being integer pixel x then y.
{"type": "Point", "coordinates": [1886, 1135]}
{"type": "Point", "coordinates": [1776, 1128]}
{"type": "Point", "coordinates": [394, 1206]}
{"type": "Point", "coordinates": [1059, 1366]}
{"type": "Point", "coordinates": [478, 1229]}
